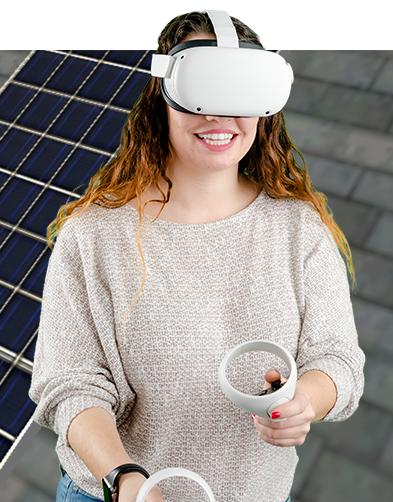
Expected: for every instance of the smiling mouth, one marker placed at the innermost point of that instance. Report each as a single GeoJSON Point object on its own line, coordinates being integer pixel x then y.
{"type": "Point", "coordinates": [216, 142]}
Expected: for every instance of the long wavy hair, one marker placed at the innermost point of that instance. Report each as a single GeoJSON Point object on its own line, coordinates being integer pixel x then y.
{"type": "Point", "coordinates": [145, 151]}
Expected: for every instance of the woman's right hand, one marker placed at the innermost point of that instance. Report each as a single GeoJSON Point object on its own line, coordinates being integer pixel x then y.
{"type": "Point", "coordinates": [130, 484]}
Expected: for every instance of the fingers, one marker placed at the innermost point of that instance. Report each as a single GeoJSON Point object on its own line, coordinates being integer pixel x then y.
{"type": "Point", "coordinates": [154, 495]}
{"type": "Point", "coordinates": [291, 432]}
{"type": "Point", "coordinates": [289, 423]}
{"type": "Point", "coordinates": [299, 404]}
{"type": "Point", "coordinates": [284, 425]}
{"type": "Point", "coordinates": [285, 437]}
{"type": "Point", "coordinates": [272, 375]}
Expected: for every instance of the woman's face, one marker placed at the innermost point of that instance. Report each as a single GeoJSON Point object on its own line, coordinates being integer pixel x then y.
{"type": "Point", "coordinates": [192, 153]}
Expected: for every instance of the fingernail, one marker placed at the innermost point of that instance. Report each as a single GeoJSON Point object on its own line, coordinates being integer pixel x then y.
{"type": "Point", "coordinates": [253, 416]}
{"type": "Point", "coordinates": [275, 414]}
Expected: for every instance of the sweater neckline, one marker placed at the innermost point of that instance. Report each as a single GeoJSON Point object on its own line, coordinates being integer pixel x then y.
{"type": "Point", "coordinates": [228, 219]}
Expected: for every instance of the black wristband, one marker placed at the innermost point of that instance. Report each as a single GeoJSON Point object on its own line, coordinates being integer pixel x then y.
{"type": "Point", "coordinates": [110, 482]}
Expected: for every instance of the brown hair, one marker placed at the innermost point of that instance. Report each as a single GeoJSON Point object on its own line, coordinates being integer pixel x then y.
{"type": "Point", "coordinates": [144, 152]}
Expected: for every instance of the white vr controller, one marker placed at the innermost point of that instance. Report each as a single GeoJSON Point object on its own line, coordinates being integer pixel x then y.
{"type": "Point", "coordinates": [169, 473]}
{"type": "Point", "coordinates": [261, 405]}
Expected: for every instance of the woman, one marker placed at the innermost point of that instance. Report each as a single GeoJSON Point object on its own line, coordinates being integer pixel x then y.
{"type": "Point", "coordinates": [231, 246]}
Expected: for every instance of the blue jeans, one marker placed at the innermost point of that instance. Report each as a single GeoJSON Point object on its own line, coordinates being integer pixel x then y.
{"type": "Point", "coordinates": [68, 491]}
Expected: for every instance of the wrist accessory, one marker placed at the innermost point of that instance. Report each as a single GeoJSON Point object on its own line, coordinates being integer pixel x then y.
{"type": "Point", "coordinates": [110, 483]}
{"type": "Point", "coordinates": [168, 473]}
{"type": "Point", "coordinates": [264, 403]}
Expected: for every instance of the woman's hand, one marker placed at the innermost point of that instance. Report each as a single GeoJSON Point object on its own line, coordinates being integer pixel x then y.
{"type": "Point", "coordinates": [298, 413]}
{"type": "Point", "coordinates": [129, 486]}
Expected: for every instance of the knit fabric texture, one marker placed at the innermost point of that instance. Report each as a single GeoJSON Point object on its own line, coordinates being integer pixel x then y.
{"type": "Point", "coordinates": [270, 272]}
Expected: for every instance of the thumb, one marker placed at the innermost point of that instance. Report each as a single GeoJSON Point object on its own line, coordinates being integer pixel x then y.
{"type": "Point", "coordinates": [272, 376]}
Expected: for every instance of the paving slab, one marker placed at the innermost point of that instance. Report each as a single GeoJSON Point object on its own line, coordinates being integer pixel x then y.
{"type": "Point", "coordinates": [323, 429]}
{"type": "Point", "coordinates": [374, 325]}
{"type": "Point", "coordinates": [3, 80]}
{"type": "Point", "coordinates": [330, 176]}
{"type": "Point", "coordinates": [45, 474]}
{"type": "Point", "coordinates": [380, 239]}
{"type": "Point", "coordinates": [350, 68]}
{"type": "Point", "coordinates": [341, 142]}
{"type": "Point", "coordinates": [34, 494]}
{"type": "Point", "coordinates": [358, 438]}
{"type": "Point", "coordinates": [375, 188]}
{"type": "Point", "coordinates": [385, 463]}
{"type": "Point", "coordinates": [13, 488]}
{"type": "Point", "coordinates": [10, 60]}
{"type": "Point", "coordinates": [356, 220]}
{"type": "Point", "coordinates": [378, 389]}
{"type": "Point", "coordinates": [336, 478]}
{"type": "Point", "coordinates": [384, 81]}
{"type": "Point", "coordinates": [340, 103]}
{"type": "Point", "coordinates": [308, 453]}
{"type": "Point", "coordinates": [374, 277]}
{"type": "Point", "coordinates": [305, 94]}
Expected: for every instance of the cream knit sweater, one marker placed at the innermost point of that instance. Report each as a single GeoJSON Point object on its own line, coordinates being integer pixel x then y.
{"type": "Point", "coordinates": [270, 272]}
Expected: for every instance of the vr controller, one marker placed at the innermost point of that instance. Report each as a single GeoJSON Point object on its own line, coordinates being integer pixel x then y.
{"type": "Point", "coordinates": [264, 403]}
{"type": "Point", "coordinates": [168, 473]}
{"type": "Point", "coordinates": [261, 405]}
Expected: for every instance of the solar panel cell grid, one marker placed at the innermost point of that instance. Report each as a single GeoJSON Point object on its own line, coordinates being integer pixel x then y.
{"type": "Point", "coordinates": [40, 67]}
{"type": "Point", "coordinates": [60, 120]}
{"type": "Point", "coordinates": [19, 321]}
{"type": "Point", "coordinates": [14, 145]}
{"type": "Point", "coordinates": [13, 100]}
{"type": "Point", "coordinates": [41, 164]}
{"type": "Point", "coordinates": [14, 405]}
{"type": "Point", "coordinates": [28, 270]}
{"type": "Point", "coordinates": [42, 111]}
{"type": "Point", "coordinates": [70, 76]}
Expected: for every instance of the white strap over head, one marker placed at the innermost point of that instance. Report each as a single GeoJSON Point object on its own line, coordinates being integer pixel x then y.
{"type": "Point", "coordinates": [223, 28]}
{"type": "Point", "coordinates": [162, 64]}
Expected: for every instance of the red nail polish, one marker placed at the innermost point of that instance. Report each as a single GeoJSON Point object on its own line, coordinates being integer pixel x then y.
{"type": "Point", "coordinates": [253, 417]}
{"type": "Point", "coordinates": [276, 414]}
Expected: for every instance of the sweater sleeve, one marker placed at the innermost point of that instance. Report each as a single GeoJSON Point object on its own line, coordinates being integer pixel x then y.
{"type": "Point", "coordinates": [328, 340]}
{"type": "Point", "coordinates": [76, 364]}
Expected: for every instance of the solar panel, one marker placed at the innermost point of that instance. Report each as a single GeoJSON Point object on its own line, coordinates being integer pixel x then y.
{"type": "Point", "coordinates": [61, 116]}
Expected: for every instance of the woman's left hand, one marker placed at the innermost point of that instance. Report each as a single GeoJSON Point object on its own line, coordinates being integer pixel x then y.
{"type": "Point", "coordinates": [298, 413]}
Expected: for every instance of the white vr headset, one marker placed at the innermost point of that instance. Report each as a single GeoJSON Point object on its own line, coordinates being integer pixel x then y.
{"type": "Point", "coordinates": [223, 77]}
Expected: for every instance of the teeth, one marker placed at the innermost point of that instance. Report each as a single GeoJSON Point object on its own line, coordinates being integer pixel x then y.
{"type": "Point", "coordinates": [225, 142]}
{"type": "Point", "coordinates": [223, 138]}
{"type": "Point", "coordinates": [215, 136]}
